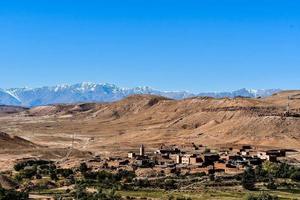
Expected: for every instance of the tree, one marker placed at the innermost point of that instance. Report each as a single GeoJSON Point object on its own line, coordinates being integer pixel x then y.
{"type": "Point", "coordinates": [261, 174]}
{"type": "Point", "coordinates": [80, 191]}
{"type": "Point", "coordinates": [53, 175]}
{"type": "Point", "coordinates": [248, 179]}
{"type": "Point", "coordinates": [65, 172]}
{"type": "Point", "coordinates": [270, 167]}
{"type": "Point", "coordinates": [271, 183]}
{"type": "Point", "coordinates": [211, 177]}
{"type": "Point", "coordinates": [169, 184]}
{"type": "Point", "coordinates": [38, 176]}
{"type": "Point", "coordinates": [12, 195]}
{"type": "Point", "coordinates": [296, 176]}
{"type": "Point", "coordinates": [83, 167]}
{"type": "Point", "coordinates": [284, 170]}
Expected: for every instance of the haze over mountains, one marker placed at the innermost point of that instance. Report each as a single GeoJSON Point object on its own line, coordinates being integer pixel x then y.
{"type": "Point", "coordinates": [91, 92]}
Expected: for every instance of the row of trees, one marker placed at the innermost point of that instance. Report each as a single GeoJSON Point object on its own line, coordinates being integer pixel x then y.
{"type": "Point", "coordinates": [268, 172]}
{"type": "Point", "coordinates": [278, 170]}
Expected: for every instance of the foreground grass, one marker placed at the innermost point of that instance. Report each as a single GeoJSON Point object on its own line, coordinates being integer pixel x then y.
{"type": "Point", "coordinates": [224, 193]}
{"type": "Point", "coordinates": [206, 194]}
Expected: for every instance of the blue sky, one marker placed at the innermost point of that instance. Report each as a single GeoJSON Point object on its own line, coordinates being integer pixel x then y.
{"type": "Point", "coordinates": [194, 45]}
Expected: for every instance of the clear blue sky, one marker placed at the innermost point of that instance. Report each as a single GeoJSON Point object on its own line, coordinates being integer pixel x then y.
{"type": "Point", "coordinates": [195, 45]}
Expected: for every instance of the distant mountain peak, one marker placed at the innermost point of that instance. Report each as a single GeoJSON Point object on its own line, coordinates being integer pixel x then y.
{"type": "Point", "coordinates": [104, 92]}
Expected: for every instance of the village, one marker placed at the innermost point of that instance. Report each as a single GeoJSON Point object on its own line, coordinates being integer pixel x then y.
{"type": "Point", "coordinates": [168, 170]}
{"type": "Point", "coordinates": [192, 159]}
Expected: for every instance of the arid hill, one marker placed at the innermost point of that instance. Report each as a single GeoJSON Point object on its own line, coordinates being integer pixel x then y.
{"type": "Point", "coordinates": [283, 98]}
{"type": "Point", "coordinates": [4, 110]}
{"type": "Point", "coordinates": [14, 142]}
{"type": "Point", "coordinates": [154, 120]}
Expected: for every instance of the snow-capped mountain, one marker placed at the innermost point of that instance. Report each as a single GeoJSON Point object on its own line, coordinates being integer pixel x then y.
{"type": "Point", "coordinates": [91, 92]}
{"type": "Point", "coordinates": [252, 93]}
{"type": "Point", "coordinates": [7, 98]}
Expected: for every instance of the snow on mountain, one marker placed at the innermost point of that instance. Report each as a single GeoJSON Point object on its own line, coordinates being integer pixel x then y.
{"type": "Point", "coordinates": [252, 93]}
{"type": "Point", "coordinates": [91, 92]}
{"type": "Point", "coordinates": [8, 99]}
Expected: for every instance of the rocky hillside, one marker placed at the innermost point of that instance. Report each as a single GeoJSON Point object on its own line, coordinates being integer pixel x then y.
{"type": "Point", "coordinates": [14, 142]}
{"type": "Point", "coordinates": [153, 120]}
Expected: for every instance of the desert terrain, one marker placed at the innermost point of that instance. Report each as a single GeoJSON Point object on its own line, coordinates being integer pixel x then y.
{"type": "Point", "coordinates": [114, 128]}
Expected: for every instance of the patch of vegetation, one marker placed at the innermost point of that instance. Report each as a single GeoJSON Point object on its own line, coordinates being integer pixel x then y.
{"type": "Point", "coordinates": [249, 179]}
{"type": "Point", "coordinates": [21, 165]}
{"type": "Point", "coordinates": [12, 195]}
{"type": "Point", "coordinates": [83, 183]}
{"type": "Point", "coordinates": [107, 179]}
{"type": "Point", "coordinates": [82, 194]}
{"type": "Point", "coordinates": [296, 176]}
{"type": "Point", "coordinates": [262, 196]}
{"type": "Point", "coordinates": [276, 170]}
{"type": "Point", "coordinates": [153, 101]}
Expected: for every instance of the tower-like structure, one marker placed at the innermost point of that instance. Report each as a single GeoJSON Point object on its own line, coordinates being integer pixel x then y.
{"type": "Point", "coordinates": [288, 105]}
{"type": "Point", "coordinates": [142, 150]}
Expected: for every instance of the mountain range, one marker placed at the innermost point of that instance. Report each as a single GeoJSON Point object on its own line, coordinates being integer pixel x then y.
{"type": "Point", "coordinates": [92, 92]}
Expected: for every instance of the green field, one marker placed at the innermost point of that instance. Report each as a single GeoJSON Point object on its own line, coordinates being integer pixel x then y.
{"type": "Point", "coordinates": [207, 194]}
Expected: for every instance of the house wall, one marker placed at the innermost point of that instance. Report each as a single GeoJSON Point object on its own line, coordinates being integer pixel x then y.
{"type": "Point", "coordinates": [185, 160]}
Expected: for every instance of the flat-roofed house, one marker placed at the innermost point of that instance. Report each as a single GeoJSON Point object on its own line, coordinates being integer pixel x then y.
{"type": "Point", "coordinates": [210, 158]}
{"type": "Point", "coordinates": [131, 155]}
{"type": "Point", "coordinates": [191, 159]}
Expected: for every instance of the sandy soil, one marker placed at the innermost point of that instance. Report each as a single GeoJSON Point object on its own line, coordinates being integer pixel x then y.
{"type": "Point", "coordinates": [115, 128]}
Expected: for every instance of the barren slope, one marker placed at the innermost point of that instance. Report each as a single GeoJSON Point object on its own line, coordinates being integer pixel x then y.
{"type": "Point", "coordinates": [283, 98]}
{"type": "Point", "coordinates": [153, 120]}
{"type": "Point", "coordinates": [5, 110]}
{"type": "Point", "coordinates": [14, 142]}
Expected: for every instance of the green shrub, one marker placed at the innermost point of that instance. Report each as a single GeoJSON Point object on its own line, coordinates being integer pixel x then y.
{"type": "Point", "coordinates": [83, 168]}
{"type": "Point", "coordinates": [12, 195]}
{"type": "Point", "coordinates": [278, 170]}
{"type": "Point", "coordinates": [262, 196]}
{"type": "Point", "coordinates": [27, 173]}
{"type": "Point", "coordinates": [21, 165]}
{"type": "Point", "coordinates": [248, 179]}
{"type": "Point", "coordinates": [53, 176]}
{"type": "Point", "coordinates": [65, 172]}
{"type": "Point", "coordinates": [169, 184]}
{"type": "Point", "coordinates": [271, 184]}
{"type": "Point", "coordinates": [141, 183]}
{"type": "Point", "coordinates": [296, 176]}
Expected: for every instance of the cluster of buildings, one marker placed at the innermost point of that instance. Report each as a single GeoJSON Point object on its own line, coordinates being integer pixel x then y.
{"type": "Point", "coordinates": [190, 159]}
{"type": "Point", "coordinates": [196, 159]}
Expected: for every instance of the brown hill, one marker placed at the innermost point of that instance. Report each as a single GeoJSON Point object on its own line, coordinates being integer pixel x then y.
{"type": "Point", "coordinates": [153, 120]}
{"type": "Point", "coordinates": [291, 97]}
{"type": "Point", "coordinates": [14, 142]}
{"type": "Point", "coordinates": [60, 109]}
{"type": "Point", "coordinates": [4, 110]}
